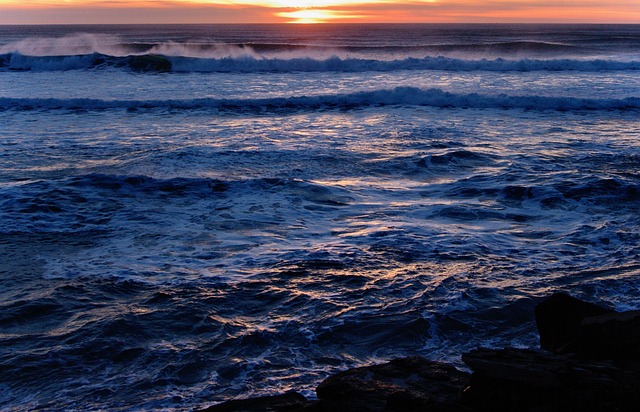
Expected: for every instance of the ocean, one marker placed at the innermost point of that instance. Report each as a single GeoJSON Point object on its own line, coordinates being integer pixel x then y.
{"type": "Point", "coordinates": [192, 214]}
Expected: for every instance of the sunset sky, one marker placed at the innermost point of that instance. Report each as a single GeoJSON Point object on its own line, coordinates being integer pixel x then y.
{"type": "Point", "coordinates": [316, 11]}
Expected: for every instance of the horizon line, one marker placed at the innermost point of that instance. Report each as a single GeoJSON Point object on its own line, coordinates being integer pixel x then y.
{"type": "Point", "coordinates": [335, 23]}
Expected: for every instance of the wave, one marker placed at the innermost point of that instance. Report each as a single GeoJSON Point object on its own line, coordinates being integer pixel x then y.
{"type": "Point", "coordinates": [384, 97]}
{"type": "Point", "coordinates": [249, 62]}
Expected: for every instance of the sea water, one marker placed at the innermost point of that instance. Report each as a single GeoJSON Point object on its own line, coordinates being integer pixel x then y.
{"type": "Point", "coordinates": [190, 214]}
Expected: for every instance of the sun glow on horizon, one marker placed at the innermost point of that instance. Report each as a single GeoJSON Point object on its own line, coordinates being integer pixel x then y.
{"type": "Point", "coordinates": [314, 16]}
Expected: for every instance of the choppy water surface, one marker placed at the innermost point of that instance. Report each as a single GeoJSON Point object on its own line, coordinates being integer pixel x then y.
{"type": "Point", "coordinates": [189, 214]}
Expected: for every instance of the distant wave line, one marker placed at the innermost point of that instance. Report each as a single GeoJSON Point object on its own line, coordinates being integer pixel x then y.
{"type": "Point", "coordinates": [396, 96]}
{"type": "Point", "coordinates": [86, 43]}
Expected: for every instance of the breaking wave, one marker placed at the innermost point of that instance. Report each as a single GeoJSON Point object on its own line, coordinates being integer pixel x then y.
{"type": "Point", "coordinates": [245, 60]}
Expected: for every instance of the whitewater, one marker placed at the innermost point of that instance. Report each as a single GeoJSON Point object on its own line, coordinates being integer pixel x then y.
{"type": "Point", "coordinates": [190, 214]}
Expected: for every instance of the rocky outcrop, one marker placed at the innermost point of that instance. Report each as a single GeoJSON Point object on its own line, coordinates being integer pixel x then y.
{"type": "Point", "coordinates": [570, 326]}
{"type": "Point", "coordinates": [590, 361]}
{"type": "Point", "coordinates": [516, 380]}
{"type": "Point", "coordinates": [558, 320]}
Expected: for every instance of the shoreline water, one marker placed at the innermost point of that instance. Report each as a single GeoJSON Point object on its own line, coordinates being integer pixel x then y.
{"type": "Point", "coordinates": [195, 234]}
{"type": "Point", "coordinates": [587, 361]}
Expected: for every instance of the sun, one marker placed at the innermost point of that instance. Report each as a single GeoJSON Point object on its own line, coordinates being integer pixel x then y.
{"type": "Point", "coordinates": [309, 16]}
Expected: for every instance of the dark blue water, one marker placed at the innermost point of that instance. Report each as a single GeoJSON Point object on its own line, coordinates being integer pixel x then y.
{"type": "Point", "coordinates": [190, 214]}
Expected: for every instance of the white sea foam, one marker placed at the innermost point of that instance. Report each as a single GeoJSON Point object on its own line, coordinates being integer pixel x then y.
{"type": "Point", "coordinates": [70, 45]}
{"type": "Point", "coordinates": [208, 51]}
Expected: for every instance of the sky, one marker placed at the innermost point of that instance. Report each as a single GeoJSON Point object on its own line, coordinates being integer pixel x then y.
{"type": "Point", "coordinates": [317, 11]}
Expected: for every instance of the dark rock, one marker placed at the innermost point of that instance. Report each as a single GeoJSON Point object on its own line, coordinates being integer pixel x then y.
{"type": "Point", "coordinates": [570, 326]}
{"type": "Point", "coordinates": [558, 320]}
{"type": "Point", "coordinates": [408, 384]}
{"type": "Point", "coordinates": [515, 380]}
{"type": "Point", "coordinates": [288, 402]}
{"type": "Point", "coordinates": [613, 336]}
